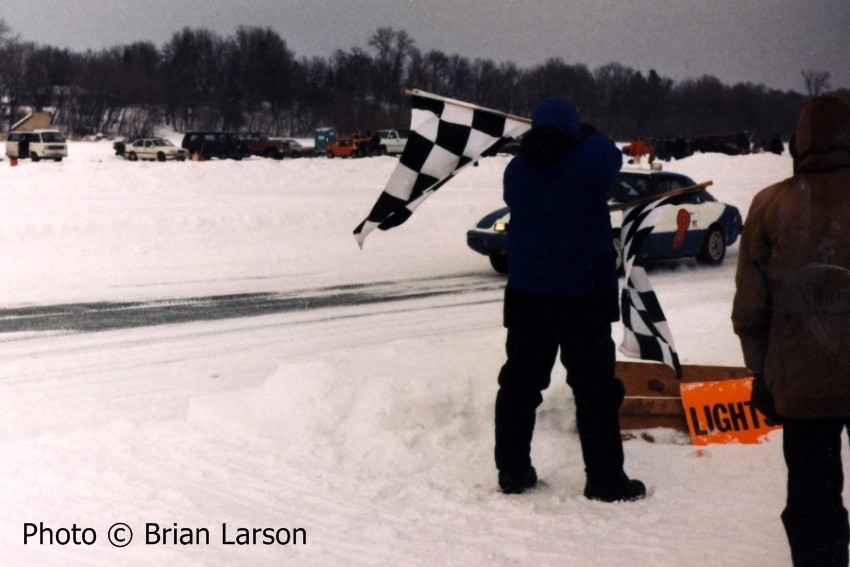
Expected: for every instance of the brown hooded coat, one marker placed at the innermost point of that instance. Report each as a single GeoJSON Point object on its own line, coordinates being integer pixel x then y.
{"type": "Point", "coordinates": [792, 302]}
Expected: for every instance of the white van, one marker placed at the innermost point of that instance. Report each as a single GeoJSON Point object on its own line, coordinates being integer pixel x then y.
{"type": "Point", "coordinates": [38, 144]}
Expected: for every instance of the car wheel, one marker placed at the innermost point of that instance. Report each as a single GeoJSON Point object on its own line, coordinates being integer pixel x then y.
{"type": "Point", "coordinates": [34, 156]}
{"type": "Point", "coordinates": [160, 156]}
{"type": "Point", "coordinates": [330, 155]}
{"type": "Point", "coordinates": [499, 262]}
{"type": "Point", "coordinates": [713, 247]}
{"type": "Point", "coordinates": [132, 156]}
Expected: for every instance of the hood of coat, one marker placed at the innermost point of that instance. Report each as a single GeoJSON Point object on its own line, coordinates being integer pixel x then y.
{"type": "Point", "coordinates": [822, 140]}
{"type": "Point", "coordinates": [554, 132]}
{"type": "Point", "coordinates": [556, 113]}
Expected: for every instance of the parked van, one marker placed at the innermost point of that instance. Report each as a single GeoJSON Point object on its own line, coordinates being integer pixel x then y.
{"type": "Point", "coordinates": [38, 144]}
{"type": "Point", "coordinates": [222, 145]}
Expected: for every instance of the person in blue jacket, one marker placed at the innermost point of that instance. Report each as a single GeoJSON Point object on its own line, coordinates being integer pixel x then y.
{"type": "Point", "coordinates": [562, 293]}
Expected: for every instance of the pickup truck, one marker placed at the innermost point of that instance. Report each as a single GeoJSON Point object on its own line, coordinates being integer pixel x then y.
{"type": "Point", "coordinates": [392, 142]}
{"type": "Point", "coordinates": [262, 145]}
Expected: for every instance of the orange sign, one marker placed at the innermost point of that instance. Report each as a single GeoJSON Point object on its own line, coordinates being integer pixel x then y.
{"type": "Point", "coordinates": [720, 412]}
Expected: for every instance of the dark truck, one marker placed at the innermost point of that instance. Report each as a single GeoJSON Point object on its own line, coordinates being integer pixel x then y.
{"type": "Point", "coordinates": [222, 145]}
{"type": "Point", "coordinates": [263, 146]}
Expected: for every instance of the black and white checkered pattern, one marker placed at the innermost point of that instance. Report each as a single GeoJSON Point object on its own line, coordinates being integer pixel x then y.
{"type": "Point", "coordinates": [646, 333]}
{"type": "Point", "coordinates": [446, 135]}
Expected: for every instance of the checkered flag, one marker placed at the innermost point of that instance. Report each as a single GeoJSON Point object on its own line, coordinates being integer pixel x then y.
{"type": "Point", "coordinates": [446, 135]}
{"type": "Point", "coordinates": [647, 335]}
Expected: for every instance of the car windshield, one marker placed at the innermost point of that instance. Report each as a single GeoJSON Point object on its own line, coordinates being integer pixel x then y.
{"type": "Point", "coordinates": [53, 137]}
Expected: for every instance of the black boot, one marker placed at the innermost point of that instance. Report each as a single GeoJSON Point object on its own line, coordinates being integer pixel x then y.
{"type": "Point", "coordinates": [515, 418]}
{"type": "Point", "coordinates": [516, 482]}
{"type": "Point", "coordinates": [617, 489]}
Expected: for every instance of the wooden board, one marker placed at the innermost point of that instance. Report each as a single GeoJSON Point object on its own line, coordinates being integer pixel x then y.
{"type": "Point", "coordinates": [652, 392]}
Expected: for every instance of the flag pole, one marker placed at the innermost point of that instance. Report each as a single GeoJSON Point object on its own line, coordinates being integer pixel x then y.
{"type": "Point", "coordinates": [460, 103]}
{"type": "Point", "coordinates": [674, 193]}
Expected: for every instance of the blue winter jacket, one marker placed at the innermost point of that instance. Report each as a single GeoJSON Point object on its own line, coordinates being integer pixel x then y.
{"type": "Point", "coordinates": [560, 238]}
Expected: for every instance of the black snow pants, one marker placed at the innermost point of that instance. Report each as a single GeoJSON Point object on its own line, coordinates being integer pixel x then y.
{"type": "Point", "coordinates": [815, 519]}
{"type": "Point", "coordinates": [580, 325]}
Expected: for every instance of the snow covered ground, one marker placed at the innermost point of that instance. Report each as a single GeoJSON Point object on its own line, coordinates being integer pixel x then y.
{"type": "Point", "coordinates": [363, 428]}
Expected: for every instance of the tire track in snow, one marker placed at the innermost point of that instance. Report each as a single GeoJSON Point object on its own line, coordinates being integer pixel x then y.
{"type": "Point", "coordinates": [104, 316]}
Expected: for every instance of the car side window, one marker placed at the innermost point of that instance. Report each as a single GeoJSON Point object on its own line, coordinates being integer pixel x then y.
{"type": "Point", "coordinates": [661, 186]}
{"type": "Point", "coordinates": [52, 137]}
{"type": "Point", "coordinates": [695, 198]}
{"type": "Point", "coordinates": [627, 189]}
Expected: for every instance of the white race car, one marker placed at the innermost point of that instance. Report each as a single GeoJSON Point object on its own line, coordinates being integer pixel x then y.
{"type": "Point", "coordinates": [693, 224]}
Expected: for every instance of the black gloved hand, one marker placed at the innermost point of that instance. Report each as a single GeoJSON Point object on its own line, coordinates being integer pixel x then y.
{"type": "Point", "coordinates": [762, 400]}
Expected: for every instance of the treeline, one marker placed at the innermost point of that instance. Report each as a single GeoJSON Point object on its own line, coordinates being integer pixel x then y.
{"type": "Point", "coordinates": [252, 81]}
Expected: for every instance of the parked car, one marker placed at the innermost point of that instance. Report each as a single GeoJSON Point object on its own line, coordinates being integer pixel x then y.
{"type": "Point", "coordinates": [391, 142]}
{"type": "Point", "coordinates": [120, 145]}
{"type": "Point", "coordinates": [222, 145]}
{"type": "Point", "coordinates": [297, 150]}
{"type": "Point", "coordinates": [263, 146]}
{"type": "Point", "coordinates": [344, 147]}
{"type": "Point", "coordinates": [37, 144]}
{"type": "Point", "coordinates": [158, 149]}
{"type": "Point", "coordinates": [694, 224]}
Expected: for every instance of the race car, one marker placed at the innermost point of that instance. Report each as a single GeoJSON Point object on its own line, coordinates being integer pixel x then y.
{"type": "Point", "coordinates": [693, 224]}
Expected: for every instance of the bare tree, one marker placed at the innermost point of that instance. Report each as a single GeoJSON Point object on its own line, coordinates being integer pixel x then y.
{"type": "Point", "coordinates": [6, 44]}
{"type": "Point", "coordinates": [393, 50]}
{"type": "Point", "coordinates": [816, 81]}
{"type": "Point", "coordinates": [266, 75]}
{"type": "Point", "coordinates": [193, 62]}
{"type": "Point", "coordinates": [13, 65]}
{"type": "Point", "coordinates": [5, 31]}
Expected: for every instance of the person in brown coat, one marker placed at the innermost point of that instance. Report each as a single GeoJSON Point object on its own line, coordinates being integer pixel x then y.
{"type": "Point", "coordinates": [792, 314]}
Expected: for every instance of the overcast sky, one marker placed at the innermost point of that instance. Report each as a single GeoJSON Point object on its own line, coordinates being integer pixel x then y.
{"type": "Point", "coordinates": [759, 41]}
